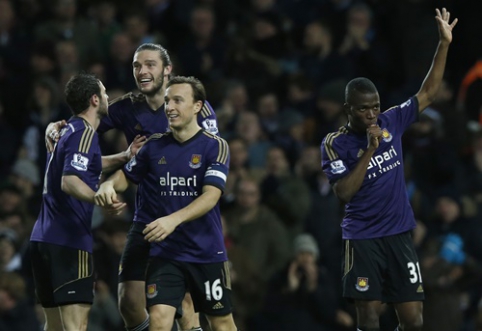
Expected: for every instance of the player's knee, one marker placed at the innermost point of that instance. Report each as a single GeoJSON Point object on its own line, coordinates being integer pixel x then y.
{"type": "Point", "coordinates": [131, 298]}
{"type": "Point", "coordinates": [369, 319]}
{"type": "Point", "coordinates": [414, 323]}
{"type": "Point", "coordinates": [222, 323]}
{"type": "Point", "coordinates": [161, 318]}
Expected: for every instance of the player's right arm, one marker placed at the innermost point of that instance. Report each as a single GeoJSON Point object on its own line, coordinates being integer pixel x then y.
{"type": "Point", "coordinates": [347, 185]}
{"type": "Point", "coordinates": [106, 195]}
{"type": "Point", "coordinates": [134, 171]}
{"type": "Point", "coordinates": [74, 186]}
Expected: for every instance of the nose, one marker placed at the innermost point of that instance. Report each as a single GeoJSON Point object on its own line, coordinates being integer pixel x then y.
{"type": "Point", "coordinates": [371, 113]}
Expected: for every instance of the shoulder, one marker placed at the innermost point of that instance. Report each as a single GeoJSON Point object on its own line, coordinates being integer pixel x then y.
{"type": "Point", "coordinates": [213, 139]}
{"type": "Point", "coordinates": [156, 137]}
{"type": "Point", "coordinates": [81, 133]}
{"type": "Point", "coordinates": [127, 99]}
{"type": "Point", "coordinates": [334, 143]}
{"type": "Point", "coordinates": [207, 110]}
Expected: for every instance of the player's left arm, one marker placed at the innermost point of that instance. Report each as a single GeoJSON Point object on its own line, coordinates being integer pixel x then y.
{"type": "Point", "coordinates": [431, 84]}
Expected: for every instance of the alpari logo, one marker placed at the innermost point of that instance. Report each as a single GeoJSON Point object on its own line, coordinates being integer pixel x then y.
{"type": "Point", "coordinates": [173, 182]}
{"type": "Point", "coordinates": [378, 160]}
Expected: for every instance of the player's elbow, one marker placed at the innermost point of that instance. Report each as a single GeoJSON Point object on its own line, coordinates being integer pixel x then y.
{"type": "Point", "coordinates": [343, 195]}
{"type": "Point", "coordinates": [66, 184]}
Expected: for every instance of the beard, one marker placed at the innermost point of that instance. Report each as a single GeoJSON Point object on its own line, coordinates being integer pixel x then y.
{"type": "Point", "coordinates": [157, 86]}
{"type": "Point", "coordinates": [103, 109]}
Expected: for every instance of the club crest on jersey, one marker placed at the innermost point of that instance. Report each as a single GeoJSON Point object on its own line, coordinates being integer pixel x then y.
{"type": "Point", "coordinates": [195, 161]}
{"type": "Point", "coordinates": [151, 291]}
{"type": "Point", "coordinates": [386, 136]}
{"type": "Point", "coordinates": [362, 284]}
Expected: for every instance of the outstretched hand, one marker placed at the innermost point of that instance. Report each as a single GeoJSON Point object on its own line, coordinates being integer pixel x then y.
{"type": "Point", "coordinates": [444, 26]}
{"type": "Point", "coordinates": [52, 134]}
{"type": "Point", "coordinates": [136, 145]}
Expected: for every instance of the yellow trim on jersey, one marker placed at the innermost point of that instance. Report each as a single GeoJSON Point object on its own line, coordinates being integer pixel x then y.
{"type": "Point", "coordinates": [330, 138]}
{"type": "Point", "coordinates": [348, 258]}
{"type": "Point", "coordinates": [205, 111]}
{"type": "Point", "coordinates": [86, 139]}
{"type": "Point", "coordinates": [226, 275]}
{"type": "Point", "coordinates": [223, 152]}
{"type": "Point", "coordinates": [134, 98]}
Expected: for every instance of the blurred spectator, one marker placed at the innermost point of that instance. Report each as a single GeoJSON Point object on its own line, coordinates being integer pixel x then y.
{"type": "Point", "coordinates": [234, 101]}
{"type": "Point", "coordinates": [268, 110]}
{"type": "Point", "coordinates": [320, 61]}
{"type": "Point", "coordinates": [15, 312]}
{"type": "Point", "coordinates": [44, 108]}
{"type": "Point", "coordinates": [11, 199]}
{"type": "Point", "coordinates": [363, 48]}
{"type": "Point", "coordinates": [203, 54]}
{"type": "Point", "coordinates": [119, 69]}
{"type": "Point", "coordinates": [104, 13]}
{"type": "Point", "coordinates": [287, 195]}
{"type": "Point", "coordinates": [238, 170]}
{"type": "Point", "coordinates": [329, 114]}
{"type": "Point", "coordinates": [66, 25]}
{"type": "Point", "coordinates": [10, 259]}
{"type": "Point", "coordinates": [136, 27]}
{"type": "Point", "coordinates": [249, 129]}
{"type": "Point", "coordinates": [25, 176]}
{"type": "Point", "coordinates": [302, 296]}
{"type": "Point", "coordinates": [15, 50]}
{"type": "Point", "coordinates": [258, 230]}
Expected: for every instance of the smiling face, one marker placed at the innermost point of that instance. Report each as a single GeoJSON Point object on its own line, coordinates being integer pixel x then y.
{"type": "Point", "coordinates": [180, 108]}
{"type": "Point", "coordinates": [149, 71]}
{"type": "Point", "coordinates": [362, 110]}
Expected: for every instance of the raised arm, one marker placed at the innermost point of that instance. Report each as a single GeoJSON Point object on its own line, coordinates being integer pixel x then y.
{"type": "Point", "coordinates": [431, 84]}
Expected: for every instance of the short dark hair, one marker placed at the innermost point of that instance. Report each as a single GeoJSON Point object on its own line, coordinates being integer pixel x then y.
{"type": "Point", "coordinates": [198, 91]}
{"type": "Point", "coordinates": [78, 91]}
{"type": "Point", "coordinates": [163, 54]}
{"type": "Point", "coordinates": [360, 85]}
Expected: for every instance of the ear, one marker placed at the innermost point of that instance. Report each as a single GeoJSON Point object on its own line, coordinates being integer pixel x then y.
{"type": "Point", "coordinates": [347, 109]}
{"type": "Point", "coordinates": [198, 105]}
{"type": "Point", "coordinates": [95, 100]}
{"type": "Point", "coordinates": [167, 70]}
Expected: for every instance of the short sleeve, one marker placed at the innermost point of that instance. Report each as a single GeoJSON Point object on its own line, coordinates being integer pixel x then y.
{"type": "Point", "coordinates": [217, 160]}
{"type": "Point", "coordinates": [207, 119]}
{"type": "Point", "coordinates": [136, 169]}
{"type": "Point", "coordinates": [404, 114]}
{"type": "Point", "coordinates": [79, 152]}
{"type": "Point", "coordinates": [332, 162]}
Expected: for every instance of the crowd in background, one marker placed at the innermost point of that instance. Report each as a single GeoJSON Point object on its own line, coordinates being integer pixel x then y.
{"type": "Point", "coordinates": [275, 72]}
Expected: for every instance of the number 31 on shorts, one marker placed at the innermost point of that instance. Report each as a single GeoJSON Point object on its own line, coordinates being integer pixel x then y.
{"type": "Point", "coordinates": [415, 275]}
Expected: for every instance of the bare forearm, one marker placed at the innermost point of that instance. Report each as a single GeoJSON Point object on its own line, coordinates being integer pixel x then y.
{"type": "Point", "coordinates": [118, 181]}
{"type": "Point", "coordinates": [114, 161]}
{"type": "Point", "coordinates": [74, 186]}
{"type": "Point", "coordinates": [433, 80]}
{"type": "Point", "coordinates": [198, 207]}
{"type": "Point", "coordinates": [349, 185]}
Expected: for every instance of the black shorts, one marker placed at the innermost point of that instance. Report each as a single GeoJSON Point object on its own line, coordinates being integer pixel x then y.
{"type": "Point", "coordinates": [62, 275]}
{"type": "Point", "coordinates": [208, 283]}
{"type": "Point", "coordinates": [133, 264]}
{"type": "Point", "coordinates": [385, 269]}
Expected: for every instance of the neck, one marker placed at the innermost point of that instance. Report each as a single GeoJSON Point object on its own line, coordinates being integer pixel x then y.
{"type": "Point", "coordinates": [91, 117]}
{"type": "Point", "coordinates": [186, 133]}
{"type": "Point", "coordinates": [157, 100]}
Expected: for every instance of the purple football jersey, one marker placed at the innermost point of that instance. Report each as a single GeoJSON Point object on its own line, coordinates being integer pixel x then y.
{"type": "Point", "coordinates": [381, 206]}
{"type": "Point", "coordinates": [170, 176]}
{"type": "Point", "coordinates": [132, 115]}
{"type": "Point", "coordinates": [64, 220]}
